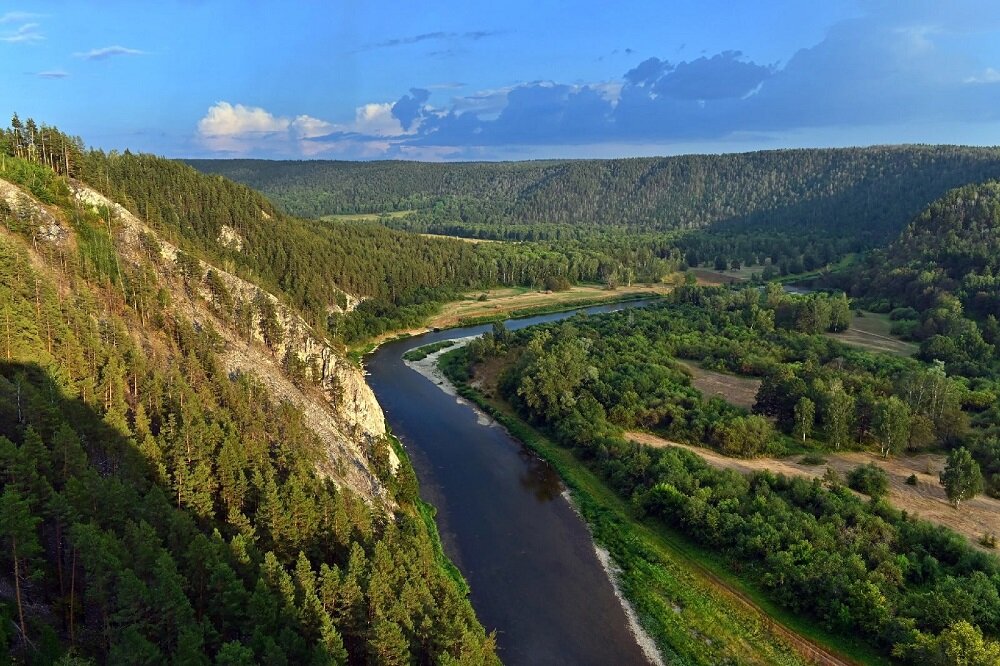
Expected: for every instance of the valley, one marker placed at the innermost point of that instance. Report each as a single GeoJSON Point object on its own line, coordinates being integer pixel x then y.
{"type": "Point", "coordinates": [209, 351]}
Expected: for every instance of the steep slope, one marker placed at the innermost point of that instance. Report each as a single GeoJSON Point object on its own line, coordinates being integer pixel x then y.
{"type": "Point", "coordinates": [871, 190]}
{"type": "Point", "coordinates": [189, 472]}
{"type": "Point", "coordinates": [276, 346]}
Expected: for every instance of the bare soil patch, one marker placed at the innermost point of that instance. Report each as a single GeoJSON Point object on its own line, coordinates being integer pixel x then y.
{"type": "Point", "coordinates": [736, 390]}
{"type": "Point", "coordinates": [925, 500]}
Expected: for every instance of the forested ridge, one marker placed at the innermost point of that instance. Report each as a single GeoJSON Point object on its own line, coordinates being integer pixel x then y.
{"type": "Point", "coordinates": [401, 275]}
{"type": "Point", "coordinates": [951, 249]}
{"type": "Point", "coordinates": [156, 507]}
{"type": "Point", "coordinates": [868, 191]}
{"type": "Point", "coordinates": [913, 590]}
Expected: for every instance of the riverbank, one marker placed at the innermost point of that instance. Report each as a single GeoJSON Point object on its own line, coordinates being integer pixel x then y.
{"type": "Point", "coordinates": [512, 303]}
{"type": "Point", "coordinates": [429, 367]}
{"type": "Point", "coordinates": [686, 598]}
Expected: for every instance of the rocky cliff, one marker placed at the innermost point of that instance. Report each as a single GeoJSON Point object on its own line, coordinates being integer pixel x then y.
{"type": "Point", "coordinates": [260, 335]}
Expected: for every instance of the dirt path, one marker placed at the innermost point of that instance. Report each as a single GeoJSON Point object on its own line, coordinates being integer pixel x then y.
{"type": "Point", "coordinates": [925, 500]}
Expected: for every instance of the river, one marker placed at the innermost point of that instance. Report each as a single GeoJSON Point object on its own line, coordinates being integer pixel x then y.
{"type": "Point", "coordinates": [504, 518]}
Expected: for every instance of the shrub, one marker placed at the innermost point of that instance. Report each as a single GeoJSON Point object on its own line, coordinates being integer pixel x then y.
{"type": "Point", "coordinates": [989, 540]}
{"type": "Point", "coordinates": [911, 480]}
{"type": "Point", "coordinates": [813, 459]}
{"type": "Point", "coordinates": [869, 479]}
{"type": "Point", "coordinates": [903, 313]}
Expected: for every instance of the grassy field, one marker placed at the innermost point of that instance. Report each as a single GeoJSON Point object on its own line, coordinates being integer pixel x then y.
{"type": "Point", "coordinates": [511, 302]}
{"type": "Point", "coordinates": [696, 610]}
{"type": "Point", "coordinates": [462, 238]}
{"type": "Point", "coordinates": [871, 331]}
{"type": "Point", "coordinates": [710, 276]}
{"type": "Point", "coordinates": [366, 217]}
{"type": "Point", "coordinates": [736, 390]}
{"type": "Point", "coordinates": [501, 303]}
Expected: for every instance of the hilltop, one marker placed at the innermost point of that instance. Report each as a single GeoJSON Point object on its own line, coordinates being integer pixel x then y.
{"type": "Point", "coordinates": [870, 191]}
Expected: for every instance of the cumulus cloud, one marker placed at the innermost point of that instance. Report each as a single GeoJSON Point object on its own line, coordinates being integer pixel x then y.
{"type": "Point", "coordinates": [240, 129]}
{"type": "Point", "coordinates": [26, 34]}
{"type": "Point", "coordinates": [896, 65]}
{"type": "Point", "coordinates": [106, 52]}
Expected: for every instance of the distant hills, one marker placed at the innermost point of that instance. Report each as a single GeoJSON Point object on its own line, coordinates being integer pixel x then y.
{"type": "Point", "coordinates": [873, 191]}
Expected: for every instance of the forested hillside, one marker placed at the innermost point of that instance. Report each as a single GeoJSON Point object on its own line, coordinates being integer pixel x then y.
{"type": "Point", "coordinates": [321, 268]}
{"type": "Point", "coordinates": [952, 247]}
{"type": "Point", "coordinates": [872, 191]}
{"type": "Point", "coordinates": [186, 476]}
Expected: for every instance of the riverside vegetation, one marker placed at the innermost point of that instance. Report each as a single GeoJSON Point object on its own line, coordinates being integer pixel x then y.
{"type": "Point", "coordinates": [911, 589]}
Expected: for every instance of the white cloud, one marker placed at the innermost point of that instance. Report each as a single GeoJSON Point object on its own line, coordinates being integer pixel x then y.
{"type": "Point", "coordinates": [306, 127]}
{"type": "Point", "coordinates": [376, 120]}
{"type": "Point", "coordinates": [17, 17]}
{"type": "Point", "coordinates": [989, 75]}
{"type": "Point", "coordinates": [106, 52]}
{"type": "Point", "coordinates": [26, 34]}
{"type": "Point", "coordinates": [241, 129]}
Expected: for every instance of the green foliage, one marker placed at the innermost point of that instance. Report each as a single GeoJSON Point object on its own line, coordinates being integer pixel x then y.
{"type": "Point", "coordinates": [856, 567]}
{"type": "Point", "coordinates": [961, 477]}
{"type": "Point", "coordinates": [420, 353]}
{"type": "Point", "coordinates": [961, 644]}
{"type": "Point", "coordinates": [156, 508]}
{"type": "Point", "coordinates": [869, 479]}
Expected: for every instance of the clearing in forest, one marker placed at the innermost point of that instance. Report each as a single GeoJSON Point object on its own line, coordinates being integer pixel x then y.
{"type": "Point", "coordinates": [736, 390]}
{"type": "Point", "coordinates": [871, 331]}
{"type": "Point", "coordinates": [366, 217]}
{"type": "Point", "coordinates": [925, 500]}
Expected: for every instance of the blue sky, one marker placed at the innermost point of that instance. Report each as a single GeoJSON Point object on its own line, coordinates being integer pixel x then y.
{"type": "Point", "coordinates": [502, 80]}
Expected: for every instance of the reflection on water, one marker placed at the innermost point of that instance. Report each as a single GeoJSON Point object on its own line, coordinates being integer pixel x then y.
{"type": "Point", "coordinates": [540, 478]}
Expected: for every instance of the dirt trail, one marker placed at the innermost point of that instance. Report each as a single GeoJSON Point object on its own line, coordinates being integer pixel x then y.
{"type": "Point", "coordinates": [925, 500]}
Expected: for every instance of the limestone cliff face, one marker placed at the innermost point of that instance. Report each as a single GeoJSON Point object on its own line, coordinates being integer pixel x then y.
{"type": "Point", "coordinates": [268, 340]}
{"type": "Point", "coordinates": [47, 227]}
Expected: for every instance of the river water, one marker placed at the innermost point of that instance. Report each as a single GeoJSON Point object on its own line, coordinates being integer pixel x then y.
{"type": "Point", "coordinates": [504, 519]}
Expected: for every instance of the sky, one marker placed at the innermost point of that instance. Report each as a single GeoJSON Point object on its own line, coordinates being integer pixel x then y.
{"type": "Point", "coordinates": [517, 79]}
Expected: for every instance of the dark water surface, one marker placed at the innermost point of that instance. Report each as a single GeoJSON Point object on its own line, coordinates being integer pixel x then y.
{"type": "Point", "coordinates": [527, 555]}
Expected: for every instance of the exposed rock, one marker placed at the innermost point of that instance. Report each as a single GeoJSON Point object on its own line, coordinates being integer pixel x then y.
{"type": "Point", "coordinates": [29, 209]}
{"type": "Point", "coordinates": [339, 406]}
{"type": "Point", "coordinates": [230, 238]}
